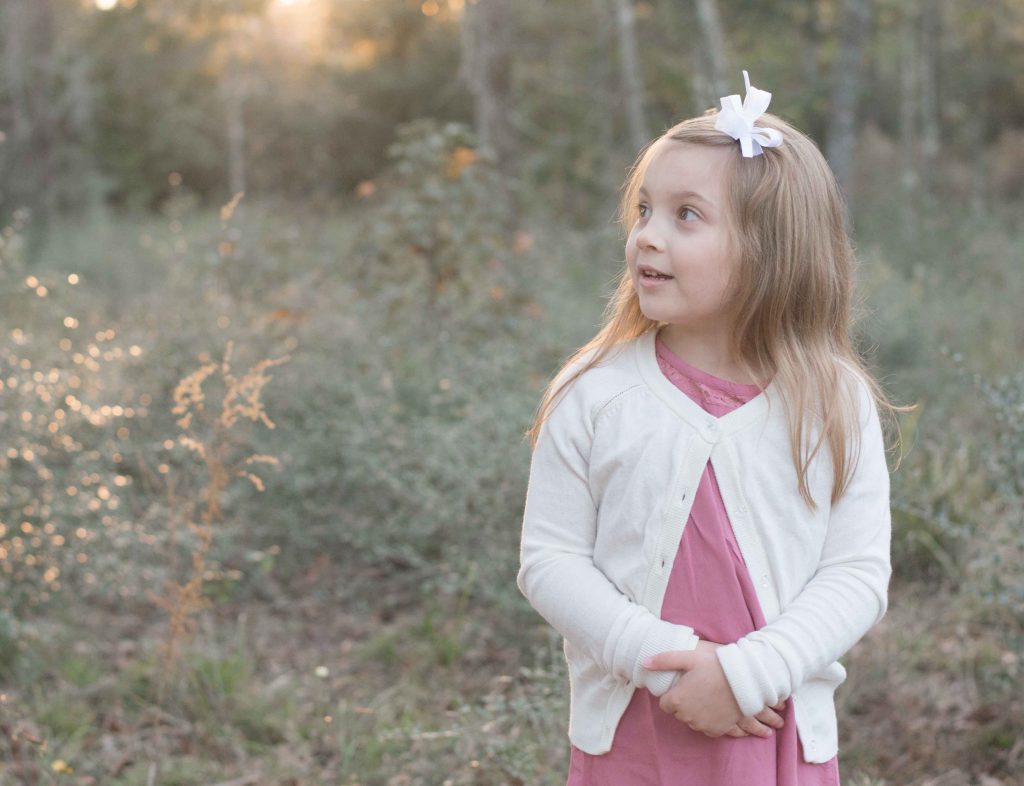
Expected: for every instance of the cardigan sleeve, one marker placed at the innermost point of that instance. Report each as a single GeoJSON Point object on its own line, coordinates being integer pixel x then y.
{"type": "Point", "coordinates": [844, 598]}
{"type": "Point", "coordinates": [557, 573]}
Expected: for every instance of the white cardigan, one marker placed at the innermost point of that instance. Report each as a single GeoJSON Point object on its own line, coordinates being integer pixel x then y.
{"type": "Point", "coordinates": [612, 480]}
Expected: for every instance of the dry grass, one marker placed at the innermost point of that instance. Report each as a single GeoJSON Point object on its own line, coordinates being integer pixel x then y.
{"type": "Point", "coordinates": [210, 435]}
{"type": "Point", "coordinates": [935, 688]}
{"type": "Point", "coordinates": [424, 700]}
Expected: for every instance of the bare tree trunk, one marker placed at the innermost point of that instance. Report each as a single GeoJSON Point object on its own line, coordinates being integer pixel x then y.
{"type": "Point", "coordinates": [909, 110]}
{"type": "Point", "coordinates": [632, 79]}
{"type": "Point", "coordinates": [81, 178]}
{"type": "Point", "coordinates": [931, 27]}
{"type": "Point", "coordinates": [972, 76]}
{"type": "Point", "coordinates": [842, 135]}
{"type": "Point", "coordinates": [605, 77]}
{"type": "Point", "coordinates": [30, 165]}
{"type": "Point", "coordinates": [976, 123]}
{"type": "Point", "coordinates": [234, 87]}
{"type": "Point", "coordinates": [710, 77]}
{"type": "Point", "coordinates": [810, 27]}
{"type": "Point", "coordinates": [486, 68]}
{"type": "Point", "coordinates": [17, 23]}
{"type": "Point", "coordinates": [234, 100]}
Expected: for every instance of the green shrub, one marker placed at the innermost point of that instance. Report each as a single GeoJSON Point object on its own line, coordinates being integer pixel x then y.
{"type": "Point", "coordinates": [440, 227]}
{"type": "Point", "coordinates": [998, 565]}
{"type": "Point", "coordinates": [65, 504]}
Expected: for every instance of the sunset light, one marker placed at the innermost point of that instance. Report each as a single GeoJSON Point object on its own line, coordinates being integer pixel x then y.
{"type": "Point", "coordinates": [301, 24]}
{"type": "Point", "coordinates": [308, 473]}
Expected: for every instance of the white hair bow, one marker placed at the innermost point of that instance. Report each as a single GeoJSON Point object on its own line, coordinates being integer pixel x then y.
{"type": "Point", "coordinates": [737, 120]}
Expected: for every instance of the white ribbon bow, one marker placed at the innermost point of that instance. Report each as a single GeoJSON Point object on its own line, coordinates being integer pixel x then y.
{"type": "Point", "coordinates": [737, 120]}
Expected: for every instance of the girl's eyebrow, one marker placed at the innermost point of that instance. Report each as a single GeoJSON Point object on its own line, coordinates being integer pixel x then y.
{"type": "Point", "coordinates": [683, 195]}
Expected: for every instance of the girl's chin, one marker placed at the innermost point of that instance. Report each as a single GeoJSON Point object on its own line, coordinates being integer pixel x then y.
{"type": "Point", "coordinates": [659, 314]}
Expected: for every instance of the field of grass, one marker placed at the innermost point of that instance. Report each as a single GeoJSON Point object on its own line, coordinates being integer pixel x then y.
{"type": "Point", "coordinates": [341, 609]}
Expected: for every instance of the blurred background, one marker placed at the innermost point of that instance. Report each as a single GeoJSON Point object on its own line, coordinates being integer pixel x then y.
{"type": "Point", "coordinates": [281, 284]}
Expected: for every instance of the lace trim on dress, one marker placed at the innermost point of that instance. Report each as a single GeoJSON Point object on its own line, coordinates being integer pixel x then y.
{"type": "Point", "coordinates": [706, 393]}
{"type": "Point", "coordinates": [721, 396]}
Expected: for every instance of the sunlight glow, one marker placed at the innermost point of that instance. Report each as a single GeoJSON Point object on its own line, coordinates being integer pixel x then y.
{"type": "Point", "coordinates": [106, 5]}
{"type": "Point", "coordinates": [301, 25]}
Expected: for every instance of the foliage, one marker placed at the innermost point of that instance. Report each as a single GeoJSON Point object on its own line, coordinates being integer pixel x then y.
{"type": "Point", "coordinates": [119, 99]}
{"type": "Point", "coordinates": [65, 510]}
{"type": "Point", "coordinates": [440, 233]}
{"type": "Point", "coordinates": [158, 112]}
{"type": "Point", "coordinates": [379, 565]}
{"type": "Point", "coordinates": [998, 566]}
{"type": "Point", "coordinates": [945, 496]}
{"type": "Point", "coordinates": [394, 519]}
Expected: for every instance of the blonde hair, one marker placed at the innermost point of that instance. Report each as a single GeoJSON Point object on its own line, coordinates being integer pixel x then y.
{"type": "Point", "coordinates": [792, 293]}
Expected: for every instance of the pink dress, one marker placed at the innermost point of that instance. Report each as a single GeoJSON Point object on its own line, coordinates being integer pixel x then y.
{"type": "Point", "coordinates": [709, 589]}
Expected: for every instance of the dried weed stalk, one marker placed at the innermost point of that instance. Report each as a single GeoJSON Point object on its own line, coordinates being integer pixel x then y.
{"type": "Point", "coordinates": [210, 437]}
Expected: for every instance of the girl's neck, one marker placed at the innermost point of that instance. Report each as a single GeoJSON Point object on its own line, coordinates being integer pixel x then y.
{"type": "Point", "coordinates": [708, 353]}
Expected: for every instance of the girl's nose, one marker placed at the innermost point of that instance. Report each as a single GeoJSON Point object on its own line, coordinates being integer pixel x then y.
{"type": "Point", "coordinates": [647, 238]}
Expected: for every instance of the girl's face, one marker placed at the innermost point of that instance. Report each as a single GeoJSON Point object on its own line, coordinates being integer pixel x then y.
{"type": "Point", "coordinates": [683, 231]}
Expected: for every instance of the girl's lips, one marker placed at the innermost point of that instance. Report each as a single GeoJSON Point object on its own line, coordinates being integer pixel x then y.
{"type": "Point", "coordinates": [648, 282]}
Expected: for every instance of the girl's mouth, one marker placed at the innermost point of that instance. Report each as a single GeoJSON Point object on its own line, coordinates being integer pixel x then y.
{"type": "Point", "coordinates": [650, 279]}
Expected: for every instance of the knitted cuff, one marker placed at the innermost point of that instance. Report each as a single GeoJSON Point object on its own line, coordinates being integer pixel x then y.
{"type": "Point", "coordinates": [663, 637]}
{"type": "Point", "coordinates": [741, 679]}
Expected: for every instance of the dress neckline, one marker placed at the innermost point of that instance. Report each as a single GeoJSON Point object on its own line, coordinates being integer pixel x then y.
{"type": "Point", "coordinates": [739, 390]}
{"type": "Point", "coordinates": [711, 428]}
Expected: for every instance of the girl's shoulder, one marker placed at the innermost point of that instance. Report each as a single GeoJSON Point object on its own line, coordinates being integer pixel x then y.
{"type": "Point", "coordinates": [859, 389]}
{"type": "Point", "coordinates": [603, 362]}
{"type": "Point", "coordinates": [603, 374]}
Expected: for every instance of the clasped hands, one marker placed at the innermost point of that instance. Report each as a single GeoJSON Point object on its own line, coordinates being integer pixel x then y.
{"type": "Point", "coordinates": [702, 699]}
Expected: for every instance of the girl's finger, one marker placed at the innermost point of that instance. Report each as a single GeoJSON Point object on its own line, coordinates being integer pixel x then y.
{"type": "Point", "coordinates": [736, 731]}
{"type": "Point", "coordinates": [754, 727]}
{"type": "Point", "coordinates": [770, 717]}
{"type": "Point", "coordinates": [670, 660]}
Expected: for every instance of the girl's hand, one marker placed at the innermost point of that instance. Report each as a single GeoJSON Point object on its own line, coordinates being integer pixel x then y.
{"type": "Point", "coordinates": [759, 725]}
{"type": "Point", "coordinates": [701, 698]}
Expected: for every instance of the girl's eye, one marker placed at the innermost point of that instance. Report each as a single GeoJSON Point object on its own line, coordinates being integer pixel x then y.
{"type": "Point", "coordinates": [686, 214]}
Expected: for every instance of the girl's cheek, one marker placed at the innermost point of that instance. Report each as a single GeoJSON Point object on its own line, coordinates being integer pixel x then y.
{"type": "Point", "coordinates": [630, 251]}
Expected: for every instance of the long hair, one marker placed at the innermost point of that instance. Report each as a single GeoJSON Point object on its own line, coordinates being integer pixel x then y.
{"type": "Point", "coordinates": [792, 293]}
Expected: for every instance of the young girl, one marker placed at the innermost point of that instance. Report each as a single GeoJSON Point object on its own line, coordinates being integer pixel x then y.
{"type": "Point", "coordinates": [707, 515]}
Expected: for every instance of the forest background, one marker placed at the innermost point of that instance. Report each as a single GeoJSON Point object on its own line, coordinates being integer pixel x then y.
{"type": "Point", "coordinates": [282, 282]}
